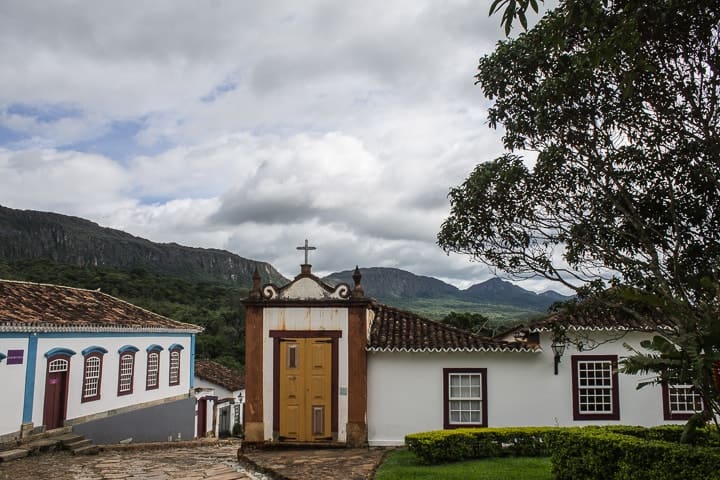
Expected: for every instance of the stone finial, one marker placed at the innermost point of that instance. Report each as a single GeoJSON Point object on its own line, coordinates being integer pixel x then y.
{"type": "Point", "coordinates": [357, 289]}
{"type": "Point", "coordinates": [255, 290]}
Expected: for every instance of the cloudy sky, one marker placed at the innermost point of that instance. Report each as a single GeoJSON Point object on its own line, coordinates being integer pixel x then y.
{"type": "Point", "coordinates": [250, 126]}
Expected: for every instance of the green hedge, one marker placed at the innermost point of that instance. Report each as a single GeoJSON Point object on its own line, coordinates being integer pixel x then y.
{"type": "Point", "coordinates": [467, 443]}
{"type": "Point", "coordinates": [601, 454]}
{"type": "Point", "coordinates": [619, 452]}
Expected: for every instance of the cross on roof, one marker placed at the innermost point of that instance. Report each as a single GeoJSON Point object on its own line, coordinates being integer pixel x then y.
{"type": "Point", "coordinates": [307, 249]}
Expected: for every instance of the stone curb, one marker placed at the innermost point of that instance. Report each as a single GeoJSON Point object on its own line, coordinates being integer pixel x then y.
{"type": "Point", "coordinates": [166, 445]}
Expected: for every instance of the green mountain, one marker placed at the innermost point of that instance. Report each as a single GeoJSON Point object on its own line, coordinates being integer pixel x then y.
{"type": "Point", "coordinates": [497, 299]}
{"type": "Point", "coordinates": [29, 234]}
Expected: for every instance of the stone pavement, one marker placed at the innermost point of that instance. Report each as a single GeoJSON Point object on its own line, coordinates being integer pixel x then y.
{"type": "Point", "coordinates": [305, 464]}
{"type": "Point", "coordinates": [217, 460]}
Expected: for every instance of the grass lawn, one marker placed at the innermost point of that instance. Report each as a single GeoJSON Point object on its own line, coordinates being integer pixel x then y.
{"type": "Point", "coordinates": [404, 465]}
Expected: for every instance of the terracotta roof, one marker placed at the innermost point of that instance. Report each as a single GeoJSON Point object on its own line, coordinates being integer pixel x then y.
{"type": "Point", "coordinates": [608, 311]}
{"type": "Point", "coordinates": [599, 322]}
{"type": "Point", "coordinates": [219, 374]}
{"type": "Point", "coordinates": [26, 306]}
{"type": "Point", "coordinates": [395, 330]}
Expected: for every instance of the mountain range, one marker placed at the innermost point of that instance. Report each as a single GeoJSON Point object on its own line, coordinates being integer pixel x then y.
{"type": "Point", "coordinates": [29, 234]}
{"type": "Point", "coordinates": [399, 287]}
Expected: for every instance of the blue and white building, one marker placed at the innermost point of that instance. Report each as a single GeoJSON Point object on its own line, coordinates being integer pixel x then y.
{"type": "Point", "coordinates": [111, 370]}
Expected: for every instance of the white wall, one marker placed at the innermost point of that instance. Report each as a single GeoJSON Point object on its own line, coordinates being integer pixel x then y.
{"type": "Point", "coordinates": [217, 390]}
{"type": "Point", "coordinates": [307, 318]}
{"type": "Point", "coordinates": [405, 390]}
{"type": "Point", "coordinates": [222, 393]}
{"type": "Point", "coordinates": [109, 399]}
{"type": "Point", "coordinates": [13, 384]}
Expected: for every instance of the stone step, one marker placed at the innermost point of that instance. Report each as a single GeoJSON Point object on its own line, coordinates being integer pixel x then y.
{"type": "Point", "coordinates": [86, 450]}
{"type": "Point", "coordinates": [56, 432]}
{"type": "Point", "coordinates": [84, 442]}
{"type": "Point", "coordinates": [41, 445]}
{"type": "Point", "coordinates": [8, 455]}
{"type": "Point", "coordinates": [69, 438]}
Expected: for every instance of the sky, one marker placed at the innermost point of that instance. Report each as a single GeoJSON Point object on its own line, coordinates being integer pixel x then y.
{"type": "Point", "coordinates": [252, 126]}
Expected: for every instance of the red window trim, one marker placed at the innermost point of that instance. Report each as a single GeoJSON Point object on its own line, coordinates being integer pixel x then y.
{"type": "Point", "coordinates": [446, 397]}
{"type": "Point", "coordinates": [83, 398]}
{"type": "Point", "coordinates": [178, 350]}
{"type": "Point", "coordinates": [132, 373]}
{"type": "Point", "coordinates": [577, 414]}
{"type": "Point", "coordinates": [667, 412]}
{"type": "Point", "coordinates": [147, 371]}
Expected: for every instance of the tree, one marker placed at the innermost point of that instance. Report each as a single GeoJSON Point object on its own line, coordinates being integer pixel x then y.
{"type": "Point", "coordinates": [620, 101]}
{"type": "Point", "coordinates": [472, 322]}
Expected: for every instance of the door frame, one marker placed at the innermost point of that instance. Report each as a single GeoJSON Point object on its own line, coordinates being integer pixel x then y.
{"type": "Point", "coordinates": [202, 417]}
{"type": "Point", "coordinates": [334, 335]}
{"type": "Point", "coordinates": [62, 408]}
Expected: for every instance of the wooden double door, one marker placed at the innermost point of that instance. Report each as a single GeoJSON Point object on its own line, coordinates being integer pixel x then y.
{"type": "Point", "coordinates": [305, 389]}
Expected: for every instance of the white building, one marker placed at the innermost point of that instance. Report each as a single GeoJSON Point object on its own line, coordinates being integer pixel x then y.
{"type": "Point", "coordinates": [78, 357]}
{"type": "Point", "coordinates": [327, 364]}
{"type": "Point", "coordinates": [220, 394]}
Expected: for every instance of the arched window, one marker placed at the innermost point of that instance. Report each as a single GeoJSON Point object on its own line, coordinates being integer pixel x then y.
{"type": "Point", "coordinates": [152, 379]}
{"type": "Point", "coordinates": [92, 373]}
{"type": "Point", "coordinates": [126, 370]}
{"type": "Point", "coordinates": [174, 374]}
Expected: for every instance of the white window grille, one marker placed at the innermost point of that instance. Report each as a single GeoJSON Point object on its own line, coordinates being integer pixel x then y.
{"type": "Point", "coordinates": [91, 379]}
{"type": "Point", "coordinates": [127, 363]}
{"type": "Point", "coordinates": [465, 398]}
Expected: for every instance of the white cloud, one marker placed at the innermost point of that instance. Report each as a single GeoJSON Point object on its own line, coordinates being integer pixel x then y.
{"type": "Point", "coordinates": [255, 124]}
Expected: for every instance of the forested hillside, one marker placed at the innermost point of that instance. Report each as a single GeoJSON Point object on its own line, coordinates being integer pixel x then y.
{"type": "Point", "coordinates": [213, 305]}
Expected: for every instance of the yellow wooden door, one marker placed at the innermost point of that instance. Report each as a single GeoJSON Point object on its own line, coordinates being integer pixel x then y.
{"type": "Point", "coordinates": [305, 388]}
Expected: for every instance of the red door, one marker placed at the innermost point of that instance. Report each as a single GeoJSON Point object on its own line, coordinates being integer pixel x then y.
{"type": "Point", "coordinates": [202, 417]}
{"type": "Point", "coordinates": [56, 382]}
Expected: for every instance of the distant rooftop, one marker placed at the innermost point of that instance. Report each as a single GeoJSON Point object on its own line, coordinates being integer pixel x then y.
{"type": "Point", "coordinates": [218, 374]}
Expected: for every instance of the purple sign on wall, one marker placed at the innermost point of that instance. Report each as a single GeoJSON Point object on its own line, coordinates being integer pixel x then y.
{"type": "Point", "coordinates": [15, 357]}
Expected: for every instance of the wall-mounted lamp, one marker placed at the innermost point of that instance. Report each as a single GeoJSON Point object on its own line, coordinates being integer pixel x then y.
{"type": "Point", "coordinates": [558, 348]}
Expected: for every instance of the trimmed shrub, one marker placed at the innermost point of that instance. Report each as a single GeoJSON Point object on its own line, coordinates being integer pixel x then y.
{"type": "Point", "coordinates": [602, 454]}
{"type": "Point", "coordinates": [442, 445]}
{"type": "Point", "coordinates": [470, 443]}
{"type": "Point", "coordinates": [619, 452]}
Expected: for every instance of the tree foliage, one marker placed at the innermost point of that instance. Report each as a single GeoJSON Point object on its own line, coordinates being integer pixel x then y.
{"type": "Point", "coordinates": [214, 306]}
{"type": "Point", "coordinates": [472, 322]}
{"type": "Point", "coordinates": [620, 100]}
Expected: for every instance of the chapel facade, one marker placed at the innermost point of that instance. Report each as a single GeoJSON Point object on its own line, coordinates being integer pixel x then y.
{"type": "Point", "coordinates": [306, 365]}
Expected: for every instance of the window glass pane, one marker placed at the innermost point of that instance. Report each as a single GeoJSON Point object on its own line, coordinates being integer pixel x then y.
{"type": "Point", "coordinates": [684, 400]}
{"type": "Point", "coordinates": [126, 373]}
{"type": "Point", "coordinates": [92, 377]}
{"type": "Point", "coordinates": [464, 398]}
{"type": "Point", "coordinates": [595, 386]}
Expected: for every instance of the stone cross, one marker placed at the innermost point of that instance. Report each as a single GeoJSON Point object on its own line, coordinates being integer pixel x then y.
{"type": "Point", "coordinates": [306, 248]}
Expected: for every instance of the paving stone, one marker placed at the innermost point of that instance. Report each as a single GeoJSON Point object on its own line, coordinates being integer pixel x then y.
{"type": "Point", "coordinates": [206, 462]}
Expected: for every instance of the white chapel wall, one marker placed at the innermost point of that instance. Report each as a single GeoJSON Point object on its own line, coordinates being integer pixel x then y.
{"type": "Point", "coordinates": [405, 390]}
{"type": "Point", "coordinates": [305, 318]}
{"type": "Point", "coordinates": [13, 382]}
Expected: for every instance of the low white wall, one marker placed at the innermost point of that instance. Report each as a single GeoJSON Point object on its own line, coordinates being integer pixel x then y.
{"type": "Point", "coordinates": [13, 384]}
{"type": "Point", "coordinates": [405, 390]}
{"type": "Point", "coordinates": [109, 399]}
